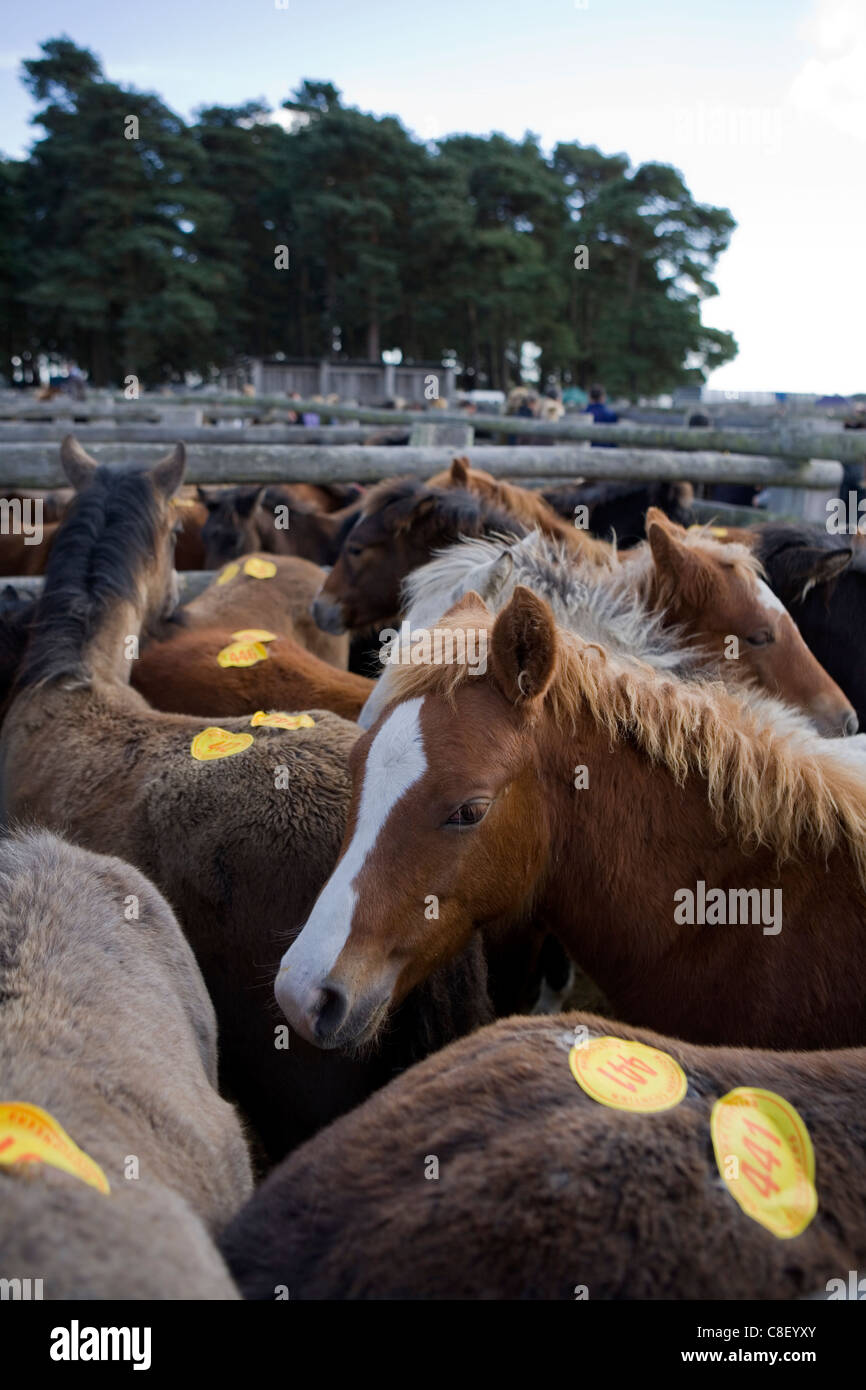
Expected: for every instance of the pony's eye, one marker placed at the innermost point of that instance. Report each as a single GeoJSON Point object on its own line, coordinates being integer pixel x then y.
{"type": "Point", "coordinates": [470, 813]}
{"type": "Point", "coordinates": [761, 639]}
{"type": "Point", "coordinates": [354, 551]}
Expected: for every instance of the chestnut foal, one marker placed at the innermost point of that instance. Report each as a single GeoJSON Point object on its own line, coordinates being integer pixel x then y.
{"type": "Point", "coordinates": [567, 784]}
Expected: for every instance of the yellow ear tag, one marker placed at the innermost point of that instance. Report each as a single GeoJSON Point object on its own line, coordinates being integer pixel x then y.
{"type": "Point", "coordinates": [215, 743]}
{"type": "Point", "coordinates": [254, 634]}
{"type": "Point", "coordinates": [278, 720]}
{"type": "Point", "coordinates": [628, 1075]}
{"type": "Point", "coordinates": [229, 573]}
{"type": "Point", "coordinates": [720, 531]}
{"type": "Point", "coordinates": [259, 569]}
{"type": "Point", "coordinates": [29, 1134]}
{"type": "Point", "coordinates": [242, 654]}
{"type": "Point", "coordinates": [766, 1159]}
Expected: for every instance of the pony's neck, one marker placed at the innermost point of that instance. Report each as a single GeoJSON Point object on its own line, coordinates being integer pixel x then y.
{"type": "Point", "coordinates": [609, 901]}
{"type": "Point", "coordinates": [109, 654]}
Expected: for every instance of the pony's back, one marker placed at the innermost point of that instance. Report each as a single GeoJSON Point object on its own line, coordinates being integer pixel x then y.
{"type": "Point", "coordinates": [98, 988]}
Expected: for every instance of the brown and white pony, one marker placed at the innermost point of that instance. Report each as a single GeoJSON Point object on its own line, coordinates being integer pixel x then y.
{"type": "Point", "coordinates": [539, 1192]}
{"type": "Point", "coordinates": [105, 1023]}
{"type": "Point", "coordinates": [240, 846]}
{"type": "Point", "coordinates": [564, 784]}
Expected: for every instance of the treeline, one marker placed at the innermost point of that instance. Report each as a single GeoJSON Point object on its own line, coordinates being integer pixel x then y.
{"type": "Point", "coordinates": [134, 242]}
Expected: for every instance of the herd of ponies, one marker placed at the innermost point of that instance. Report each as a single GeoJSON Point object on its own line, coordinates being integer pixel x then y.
{"type": "Point", "coordinates": [298, 946]}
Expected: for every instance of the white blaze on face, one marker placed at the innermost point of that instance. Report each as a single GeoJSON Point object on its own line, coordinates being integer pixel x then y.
{"type": "Point", "coordinates": [769, 599]}
{"type": "Point", "coordinates": [395, 762]}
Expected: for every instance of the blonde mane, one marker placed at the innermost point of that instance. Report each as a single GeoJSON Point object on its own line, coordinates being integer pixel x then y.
{"type": "Point", "coordinates": [769, 777]}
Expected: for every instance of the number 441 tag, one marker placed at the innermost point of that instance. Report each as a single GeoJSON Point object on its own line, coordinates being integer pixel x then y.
{"type": "Point", "coordinates": [766, 1159]}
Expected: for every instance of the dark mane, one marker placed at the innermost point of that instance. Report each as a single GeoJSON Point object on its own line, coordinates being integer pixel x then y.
{"type": "Point", "coordinates": [108, 533]}
{"type": "Point", "coordinates": [402, 502]}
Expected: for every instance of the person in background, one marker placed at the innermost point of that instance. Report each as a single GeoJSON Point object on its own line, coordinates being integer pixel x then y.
{"type": "Point", "coordinates": [552, 408]}
{"type": "Point", "coordinates": [527, 410]}
{"type": "Point", "coordinates": [600, 411]}
{"type": "Point", "coordinates": [550, 411]}
{"type": "Point", "coordinates": [598, 408]}
{"type": "Point", "coordinates": [311, 418]}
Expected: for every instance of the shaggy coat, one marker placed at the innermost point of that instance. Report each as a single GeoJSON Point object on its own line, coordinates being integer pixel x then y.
{"type": "Point", "coordinates": [95, 1004]}
{"type": "Point", "coordinates": [240, 846]}
{"type": "Point", "coordinates": [542, 1193]}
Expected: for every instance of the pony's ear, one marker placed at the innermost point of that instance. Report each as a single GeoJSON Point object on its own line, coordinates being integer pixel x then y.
{"type": "Point", "coordinates": [656, 517]}
{"type": "Point", "coordinates": [167, 473]}
{"type": "Point", "coordinates": [523, 648]}
{"type": "Point", "coordinates": [806, 566]}
{"type": "Point", "coordinates": [678, 563]}
{"type": "Point", "coordinates": [497, 573]}
{"type": "Point", "coordinates": [470, 602]}
{"type": "Point", "coordinates": [77, 464]}
{"type": "Point", "coordinates": [203, 496]}
{"type": "Point", "coordinates": [413, 511]}
{"type": "Point", "coordinates": [247, 502]}
{"type": "Point", "coordinates": [670, 555]}
{"type": "Point", "coordinates": [460, 472]}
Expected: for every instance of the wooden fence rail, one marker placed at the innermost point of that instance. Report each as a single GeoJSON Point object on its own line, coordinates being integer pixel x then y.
{"type": "Point", "coordinates": [117, 431]}
{"type": "Point", "coordinates": [782, 440]}
{"type": "Point", "coordinates": [778, 440]}
{"type": "Point", "coordinates": [37, 465]}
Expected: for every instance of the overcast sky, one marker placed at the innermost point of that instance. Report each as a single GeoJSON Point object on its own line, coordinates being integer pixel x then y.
{"type": "Point", "coordinates": [761, 104]}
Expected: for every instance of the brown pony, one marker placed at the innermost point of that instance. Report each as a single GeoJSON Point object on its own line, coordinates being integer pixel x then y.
{"type": "Point", "coordinates": [529, 507]}
{"type": "Point", "coordinates": [19, 555]}
{"type": "Point", "coordinates": [99, 991]}
{"type": "Point", "coordinates": [189, 551]}
{"type": "Point", "coordinates": [565, 784]}
{"type": "Point", "coordinates": [540, 1192]}
{"type": "Point", "coordinates": [280, 603]}
{"type": "Point", "coordinates": [717, 598]}
{"type": "Point", "coordinates": [244, 519]}
{"type": "Point", "coordinates": [240, 845]}
{"type": "Point", "coordinates": [401, 523]}
{"type": "Point", "coordinates": [183, 675]}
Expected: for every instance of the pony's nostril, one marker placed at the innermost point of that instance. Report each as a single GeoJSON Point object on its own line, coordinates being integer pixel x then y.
{"type": "Point", "coordinates": [329, 1011]}
{"type": "Point", "coordinates": [328, 616]}
{"type": "Point", "coordinates": [850, 726]}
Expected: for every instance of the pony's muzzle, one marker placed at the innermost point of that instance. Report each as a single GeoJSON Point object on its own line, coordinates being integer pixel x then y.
{"type": "Point", "coordinates": [325, 1014]}
{"type": "Point", "coordinates": [328, 616]}
{"type": "Point", "coordinates": [833, 721]}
